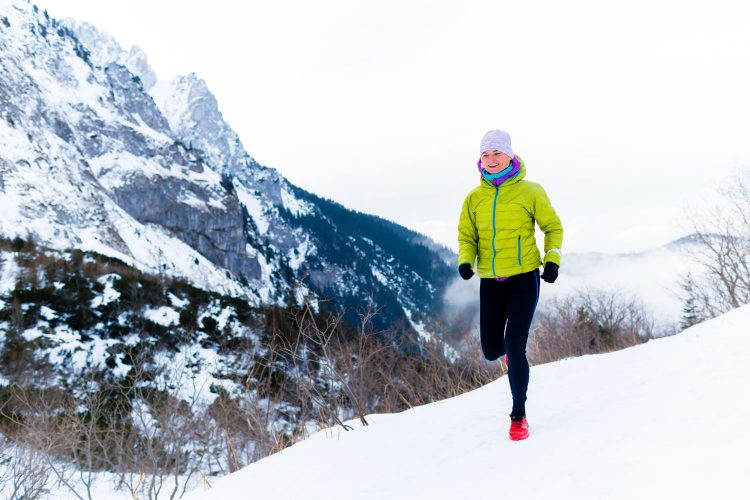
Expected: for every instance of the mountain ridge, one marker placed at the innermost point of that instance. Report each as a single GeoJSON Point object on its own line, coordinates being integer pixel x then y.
{"type": "Point", "coordinates": [160, 180]}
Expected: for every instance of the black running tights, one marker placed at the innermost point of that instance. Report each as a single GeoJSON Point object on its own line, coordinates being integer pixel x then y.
{"type": "Point", "coordinates": [506, 309]}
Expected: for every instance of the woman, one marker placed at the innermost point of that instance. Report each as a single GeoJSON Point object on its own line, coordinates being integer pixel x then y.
{"type": "Point", "coordinates": [496, 229]}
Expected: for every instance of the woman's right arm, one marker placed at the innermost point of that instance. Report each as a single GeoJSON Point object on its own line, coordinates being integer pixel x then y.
{"type": "Point", "coordinates": [467, 235]}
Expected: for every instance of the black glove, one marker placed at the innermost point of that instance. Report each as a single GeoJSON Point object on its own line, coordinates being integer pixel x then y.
{"type": "Point", "coordinates": [465, 270]}
{"type": "Point", "coordinates": [550, 272]}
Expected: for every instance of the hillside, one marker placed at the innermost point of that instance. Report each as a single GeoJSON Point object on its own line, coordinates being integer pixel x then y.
{"type": "Point", "coordinates": [666, 419]}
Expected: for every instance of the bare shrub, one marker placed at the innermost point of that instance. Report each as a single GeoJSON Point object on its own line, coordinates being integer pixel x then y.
{"type": "Point", "coordinates": [162, 437]}
{"type": "Point", "coordinates": [437, 373]}
{"type": "Point", "coordinates": [344, 374]}
{"type": "Point", "coordinates": [36, 422]}
{"type": "Point", "coordinates": [588, 322]}
{"type": "Point", "coordinates": [152, 440]}
{"type": "Point", "coordinates": [24, 472]}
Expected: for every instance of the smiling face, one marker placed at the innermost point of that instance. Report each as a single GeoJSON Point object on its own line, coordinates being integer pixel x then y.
{"type": "Point", "coordinates": [494, 161]}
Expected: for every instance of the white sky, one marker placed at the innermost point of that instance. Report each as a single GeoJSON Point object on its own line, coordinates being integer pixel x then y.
{"type": "Point", "coordinates": [627, 113]}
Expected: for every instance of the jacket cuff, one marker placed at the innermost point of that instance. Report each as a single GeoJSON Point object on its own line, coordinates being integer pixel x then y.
{"type": "Point", "coordinates": [553, 255]}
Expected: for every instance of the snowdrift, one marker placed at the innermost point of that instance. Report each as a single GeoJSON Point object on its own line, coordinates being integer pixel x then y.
{"type": "Point", "coordinates": [666, 419]}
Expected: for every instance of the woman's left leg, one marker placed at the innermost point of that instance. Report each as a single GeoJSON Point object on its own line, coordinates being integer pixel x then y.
{"type": "Point", "coordinates": [523, 294]}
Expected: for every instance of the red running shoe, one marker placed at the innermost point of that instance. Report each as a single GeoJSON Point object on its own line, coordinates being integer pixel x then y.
{"type": "Point", "coordinates": [519, 429]}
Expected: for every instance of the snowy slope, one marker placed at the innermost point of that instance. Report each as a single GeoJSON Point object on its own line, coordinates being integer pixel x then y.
{"type": "Point", "coordinates": [666, 419]}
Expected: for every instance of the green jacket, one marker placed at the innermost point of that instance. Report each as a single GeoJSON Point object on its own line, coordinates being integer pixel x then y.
{"type": "Point", "coordinates": [496, 228]}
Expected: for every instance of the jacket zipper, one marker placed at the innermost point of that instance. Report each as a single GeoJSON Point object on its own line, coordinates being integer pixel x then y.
{"type": "Point", "coordinates": [519, 249]}
{"type": "Point", "coordinates": [494, 229]}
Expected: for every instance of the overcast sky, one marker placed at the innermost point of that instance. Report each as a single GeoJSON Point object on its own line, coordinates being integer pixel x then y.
{"type": "Point", "coordinates": [628, 113]}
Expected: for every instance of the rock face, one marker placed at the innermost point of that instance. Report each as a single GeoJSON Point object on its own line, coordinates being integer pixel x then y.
{"type": "Point", "coordinates": [96, 154]}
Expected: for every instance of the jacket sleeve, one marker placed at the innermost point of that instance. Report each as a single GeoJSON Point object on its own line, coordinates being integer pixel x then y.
{"type": "Point", "coordinates": [468, 236]}
{"type": "Point", "coordinates": [550, 224]}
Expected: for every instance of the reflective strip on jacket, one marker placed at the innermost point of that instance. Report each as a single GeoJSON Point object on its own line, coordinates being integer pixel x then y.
{"type": "Point", "coordinates": [496, 228]}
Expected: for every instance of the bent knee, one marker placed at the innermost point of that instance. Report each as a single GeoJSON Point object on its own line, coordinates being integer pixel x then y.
{"type": "Point", "coordinates": [492, 355]}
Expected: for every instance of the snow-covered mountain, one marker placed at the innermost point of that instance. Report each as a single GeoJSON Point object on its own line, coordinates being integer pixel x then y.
{"type": "Point", "coordinates": [97, 154]}
{"type": "Point", "coordinates": [666, 419]}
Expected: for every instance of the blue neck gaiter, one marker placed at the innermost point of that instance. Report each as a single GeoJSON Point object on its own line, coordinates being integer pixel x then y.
{"type": "Point", "coordinates": [507, 173]}
{"type": "Point", "coordinates": [491, 177]}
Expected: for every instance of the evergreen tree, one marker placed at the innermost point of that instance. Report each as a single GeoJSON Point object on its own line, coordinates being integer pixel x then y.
{"type": "Point", "coordinates": [691, 311]}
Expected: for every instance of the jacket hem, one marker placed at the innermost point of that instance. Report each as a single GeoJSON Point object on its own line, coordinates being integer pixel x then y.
{"type": "Point", "coordinates": [523, 269]}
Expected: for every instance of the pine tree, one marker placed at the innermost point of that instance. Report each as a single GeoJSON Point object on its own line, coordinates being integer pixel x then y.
{"type": "Point", "coordinates": [691, 311]}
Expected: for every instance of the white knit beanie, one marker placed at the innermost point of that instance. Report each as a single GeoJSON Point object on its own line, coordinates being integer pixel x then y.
{"type": "Point", "coordinates": [497, 140]}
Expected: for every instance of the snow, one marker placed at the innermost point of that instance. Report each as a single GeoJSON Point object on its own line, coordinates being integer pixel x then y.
{"type": "Point", "coordinates": [254, 206]}
{"type": "Point", "coordinates": [173, 98]}
{"type": "Point", "coordinates": [418, 326]}
{"type": "Point", "coordinates": [379, 275]}
{"type": "Point", "coordinates": [426, 337]}
{"type": "Point", "coordinates": [33, 333]}
{"type": "Point", "coordinates": [164, 316]}
{"type": "Point", "coordinates": [187, 197]}
{"type": "Point", "coordinates": [68, 349]}
{"type": "Point", "coordinates": [47, 313]}
{"type": "Point", "coordinates": [266, 270]}
{"type": "Point", "coordinates": [215, 311]}
{"type": "Point", "coordinates": [109, 294]}
{"type": "Point", "coordinates": [130, 339]}
{"type": "Point", "coordinates": [298, 255]}
{"type": "Point", "coordinates": [78, 87]}
{"type": "Point", "coordinates": [192, 369]}
{"type": "Point", "coordinates": [103, 486]}
{"type": "Point", "coordinates": [223, 317]}
{"type": "Point", "coordinates": [303, 296]}
{"type": "Point", "coordinates": [666, 419]}
{"type": "Point", "coordinates": [251, 252]}
{"type": "Point", "coordinates": [142, 417]}
{"type": "Point", "coordinates": [8, 272]}
{"type": "Point", "coordinates": [177, 302]}
{"type": "Point", "coordinates": [295, 206]}
{"type": "Point", "coordinates": [113, 169]}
